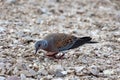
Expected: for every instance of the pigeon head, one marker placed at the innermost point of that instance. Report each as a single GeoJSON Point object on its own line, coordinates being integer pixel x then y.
{"type": "Point", "coordinates": [42, 44]}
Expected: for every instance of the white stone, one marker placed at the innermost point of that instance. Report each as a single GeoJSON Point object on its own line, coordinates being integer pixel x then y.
{"type": "Point", "coordinates": [10, 1]}
{"type": "Point", "coordinates": [57, 79]}
{"type": "Point", "coordinates": [22, 76]}
{"type": "Point", "coordinates": [2, 29]}
{"type": "Point", "coordinates": [56, 67]}
{"type": "Point", "coordinates": [2, 78]}
{"type": "Point", "coordinates": [78, 69]}
{"type": "Point", "coordinates": [108, 72]}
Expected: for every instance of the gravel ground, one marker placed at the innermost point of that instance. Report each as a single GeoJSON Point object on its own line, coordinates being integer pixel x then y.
{"type": "Point", "coordinates": [23, 22]}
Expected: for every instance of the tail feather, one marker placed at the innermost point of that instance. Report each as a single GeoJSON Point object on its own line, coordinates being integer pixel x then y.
{"type": "Point", "coordinates": [85, 39]}
{"type": "Point", "coordinates": [81, 41]}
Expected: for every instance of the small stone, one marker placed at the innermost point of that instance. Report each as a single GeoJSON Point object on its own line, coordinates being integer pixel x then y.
{"type": "Point", "coordinates": [31, 79]}
{"type": "Point", "coordinates": [44, 78]}
{"type": "Point", "coordinates": [78, 69]}
{"type": "Point", "coordinates": [2, 78]}
{"type": "Point", "coordinates": [22, 76]}
{"type": "Point", "coordinates": [32, 72]}
{"type": "Point", "coordinates": [57, 79]}
{"type": "Point", "coordinates": [2, 65]}
{"type": "Point", "coordinates": [11, 31]}
{"type": "Point", "coordinates": [118, 39]}
{"type": "Point", "coordinates": [2, 29]}
{"type": "Point", "coordinates": [49, 77]}
{"type": "Point", "coordinates": [39, 21]}
{"type": "Point", "coordinates": [94, 70]}
{"type": "Point", "coordinates": [27, 73]}
{"type": "Point", "coordinates": [26, 30]}
{"type": "Point", "coordinates": [14, 77]}
{"type": "Point", "coordinates": [64, 72]}
{"type": "Point", "coordinates": [56, 67]}
{"type": "Point", "coordinates": [62, 17]}
{"type": "Point", "coordinates": [84, 60]}
{"type": "Point", "coordinates": [42, 10]}
{"type": "Point", "coordinates": [43, 72]}
{"type": "Point", "coordinates": [108, 72]}
{"type": "Point", "coordinates": [27, 40]}
{"type": "Point", "coordinates": [74, 78]}
{"type": "Point", "coordinates": [11, 1]}
{"type": "Point", "coordinates": [15, 70]}
{"type": "Point", "coordinates": [59, 73]}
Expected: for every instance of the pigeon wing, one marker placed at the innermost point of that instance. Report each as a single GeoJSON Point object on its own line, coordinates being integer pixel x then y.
{"type": "Point", "coordinates": [61, 41]}
{"type": "Point", "coordinates": [64, 41]}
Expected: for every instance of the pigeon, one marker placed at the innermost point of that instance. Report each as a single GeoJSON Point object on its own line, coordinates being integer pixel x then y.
{"type": "Point", "coordinates": [57, 42]}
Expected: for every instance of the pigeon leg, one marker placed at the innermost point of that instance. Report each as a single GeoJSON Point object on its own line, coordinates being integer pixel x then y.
{"type": "Point", "coordinates": [54, 55]}
{"type": "Point", "coordinates": [51, 54]}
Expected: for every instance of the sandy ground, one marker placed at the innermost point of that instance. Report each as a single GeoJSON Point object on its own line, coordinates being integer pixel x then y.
{"type": "Point", "coordinates": [23, 22]}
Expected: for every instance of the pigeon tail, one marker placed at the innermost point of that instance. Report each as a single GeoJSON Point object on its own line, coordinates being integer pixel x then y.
{"type": "Point", "coordinates": [81, 41]}
{"type": "Point", "coordinates": [85, 39]}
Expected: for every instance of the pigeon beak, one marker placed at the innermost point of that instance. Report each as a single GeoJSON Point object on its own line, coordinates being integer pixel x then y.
{"type": "Point", "coordinates": [36, 50]}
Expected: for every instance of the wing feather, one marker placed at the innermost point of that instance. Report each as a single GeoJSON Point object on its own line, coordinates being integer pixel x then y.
{"type": "Point", "coordinates": [62, 41]}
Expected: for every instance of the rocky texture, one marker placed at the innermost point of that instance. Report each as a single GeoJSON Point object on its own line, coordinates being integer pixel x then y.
{"type": "Point", "coordinates": [22, 22]}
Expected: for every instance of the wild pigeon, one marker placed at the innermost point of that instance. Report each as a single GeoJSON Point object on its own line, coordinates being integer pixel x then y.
{"type": "Point", "coordinates": [57, 42]}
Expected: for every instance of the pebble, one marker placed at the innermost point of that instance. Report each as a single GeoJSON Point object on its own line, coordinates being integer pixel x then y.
{"type": "Point", "coordinates": [74, 78]}
{"type": "Point", "coordinates": [28, 73]}
{"type": "Point", "coordinates": [42, 10]}
{"type": "Point", "coordinates": [2, 65]}
{"type": "Point", "coordinates": [2, 78]}
{"type": "Point", "coordinates": [11, 1]}
{"type": "Point", "coordinates": [39, 21]}
{"type": "Point", "coordinates": [59, 74]}
{"type": "Point", "coordinates": [57, 79]}
{"type": "Point", "coordinates": [108, 72]}
{"type": "Point", "coordinates": [32, 72]}
{"type": "Point", "coordinates": [22, 76]}
{"type": "Point", "coordinates": [64, 72]}
{"type": "Point", "coordinates": [118, 39]}
{"type": "Point", "coordinates": [2, 29]}
{"type": "Point", "coordinates": [78, 69]}
{"type": "Point", "coordinates": [43, 72]}
{"type": "Point", "coordinates": [94, 70]}
{"type": "Point", "coordinates": [14, 77]}
{"type": "Point", "coordinates": [56, 67]}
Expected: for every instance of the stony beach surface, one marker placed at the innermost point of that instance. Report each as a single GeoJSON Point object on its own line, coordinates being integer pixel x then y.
{"type": "Point", "coordinates": [23, 22]}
